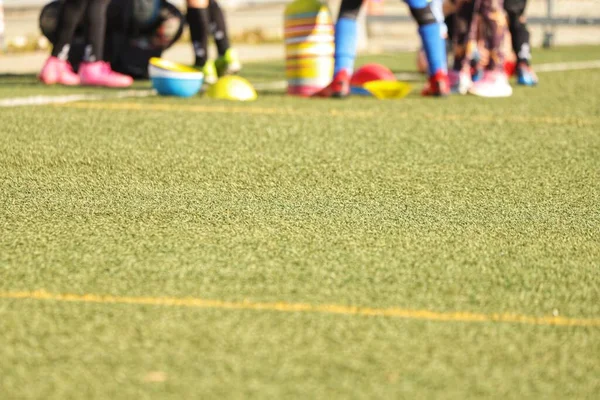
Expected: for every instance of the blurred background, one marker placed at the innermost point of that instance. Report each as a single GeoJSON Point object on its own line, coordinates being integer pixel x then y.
{"type": "Point", "coordinates": [256, 28]}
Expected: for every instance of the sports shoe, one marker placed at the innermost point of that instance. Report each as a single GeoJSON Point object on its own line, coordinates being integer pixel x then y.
{"type": "Point", "coordinates": [510, 67]}
{"type": "Point", "coordinates": [210, 72]}
{"type": "Point", "coordinates": [339, 86]}
{"type": "Point", "coordinates": [99, 73]}
{"type": "Point", "coordinates": [228, 64]}
{"type": "Point", "coordinates": [477, 73]}
{"type": "Point", "coordinates": [58, 71]}
{"type": "Point", "coordinates": [525, 75]}
{"type": "Point", "coordinates": [438, 85]}
{"type": "Point", "coordinates": [460, 81]}
{"type": "Point", "coordinates": [493, 84]}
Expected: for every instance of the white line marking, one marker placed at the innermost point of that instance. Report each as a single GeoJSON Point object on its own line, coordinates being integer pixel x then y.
{"type": "Point", "coordinates": [45, 100]}
{"type": "Point", "coordinates": [567, 66]}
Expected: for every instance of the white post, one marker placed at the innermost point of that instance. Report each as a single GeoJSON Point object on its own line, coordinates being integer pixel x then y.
{"type": "Point", "coordinates": [549, 28]}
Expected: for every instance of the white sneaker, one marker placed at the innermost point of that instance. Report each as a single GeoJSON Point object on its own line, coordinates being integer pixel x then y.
{"type": "Point", "coordinates": [493, 84]}
{"type": "Point", "coordinates": [460, 81]}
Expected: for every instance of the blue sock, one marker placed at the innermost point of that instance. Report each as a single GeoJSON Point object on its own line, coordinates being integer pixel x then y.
{"type": "Point", "coordinates": [345, 44]}
{"type": "Point", "coordinates": [434, 46]}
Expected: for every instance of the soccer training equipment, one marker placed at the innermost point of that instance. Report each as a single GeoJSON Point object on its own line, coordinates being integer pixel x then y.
{"type": "Point", "coordinates": [388, 90]}
{"type": "Point", "coordinates": [369, 73]}
{"type": "Point", "coordinates": [171, 79]}
{"type": "Point", "coordinates": [232, 87]}
{"type": "Point", "coordinates": [309, 47]}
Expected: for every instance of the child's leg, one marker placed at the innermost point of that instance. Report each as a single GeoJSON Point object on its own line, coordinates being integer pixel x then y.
{"type": "Point", "coordinates": [437, 8]}
{"type": "Point", "coordinates": [494, 82]}
{"type": "Point", "coordinates": [228, 61]}
{"type": "Point", "coordinates": [494, 19]}
{"type": "Point", "coordinates": [463, 18]}
{"type": "Point", "coordinates": [430, 32]}
{"type": "Point", "coordinates": [198, 21]}
{"type": "Point", "coordinates": [346, 36]}
{"type": "Point", "coordinates": [518, 29]}
{"type": "Point", "coordinates": [71, 15]}
{"type": "Point", "coordinates": [96, 30]}
{"type": "Point", "coordinates": [218, 27]}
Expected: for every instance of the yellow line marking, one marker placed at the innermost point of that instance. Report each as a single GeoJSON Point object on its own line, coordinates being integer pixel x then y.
{"type": "Point", "coordinates": [126, 106]}
{"type": "Point", "coordinates": [306, 308]}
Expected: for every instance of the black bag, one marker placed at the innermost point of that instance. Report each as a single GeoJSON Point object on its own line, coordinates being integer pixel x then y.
{"type": "Point", "coordinates": [149, 33]}
{"type": "Point", "coordinates": [136, 30]}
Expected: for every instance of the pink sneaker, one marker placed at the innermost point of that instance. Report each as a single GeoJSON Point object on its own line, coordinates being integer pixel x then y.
{"type": "Point", "coordinates": [99, 73]}
{"type": "Point", "coordinates": [58, 71]}
{"type": "Point", "coordinates": [493, 84]}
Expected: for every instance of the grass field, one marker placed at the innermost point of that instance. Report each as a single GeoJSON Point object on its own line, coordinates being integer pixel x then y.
{"type": "Point", "coordinates": [296, 248]}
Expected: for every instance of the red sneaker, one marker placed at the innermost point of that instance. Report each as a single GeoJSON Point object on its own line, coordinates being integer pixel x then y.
{"type": "Point", "coordinates": [510, 67]}
{"type": "Point", "coordinates": [438, 85]}
{"type": "Point", "coordinates": [339, 86]}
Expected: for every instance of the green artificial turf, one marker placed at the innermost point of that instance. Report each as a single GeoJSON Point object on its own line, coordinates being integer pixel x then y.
{"type": "Point", "coordinates": [457, 205]}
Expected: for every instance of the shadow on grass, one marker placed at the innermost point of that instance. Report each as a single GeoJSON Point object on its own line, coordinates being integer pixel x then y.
{"type": "Point", "coordinates": [272, 92]}
{"type": "Point", "coordinates": [19, 79]}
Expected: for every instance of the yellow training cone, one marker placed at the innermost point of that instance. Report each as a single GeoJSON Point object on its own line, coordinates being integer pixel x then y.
{"type": "Point", "coordinates": [170, 65]}
{"type": "Point", "coordinates": [388, 89]}
{"type": "Point", "coordinates": [232, 87]}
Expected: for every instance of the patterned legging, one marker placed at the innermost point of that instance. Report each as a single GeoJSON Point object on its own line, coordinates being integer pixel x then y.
{"type": "Point", "coordinates": [479, 21]}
